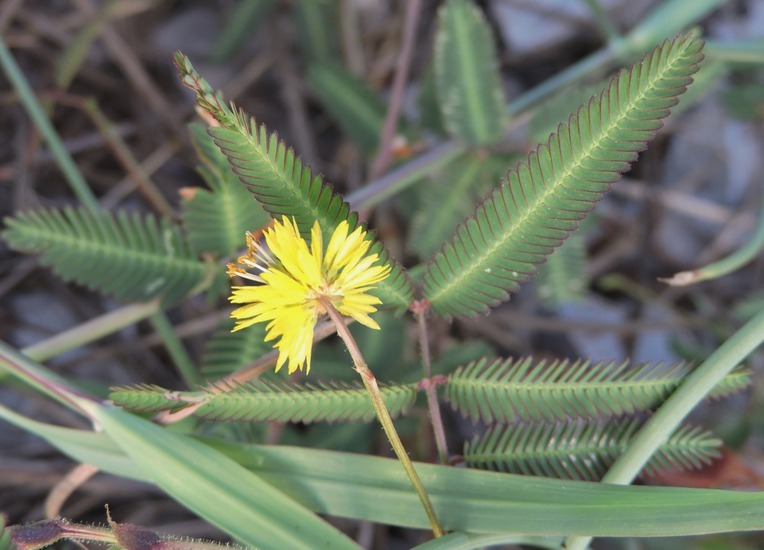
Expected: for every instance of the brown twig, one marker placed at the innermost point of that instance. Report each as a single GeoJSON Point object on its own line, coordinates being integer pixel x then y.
{"type": "Point", "coordinates": [420, 309]}
{"type": "Point", "coordinates": [62, 490]}
{"type": "Point", "coordinates": [385, 154]}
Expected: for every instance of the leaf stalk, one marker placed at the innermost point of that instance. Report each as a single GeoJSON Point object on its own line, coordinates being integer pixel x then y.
{"type": "Point", "coordinates": [420, 310]}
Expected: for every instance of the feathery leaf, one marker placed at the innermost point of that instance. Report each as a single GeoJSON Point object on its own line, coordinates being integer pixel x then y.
{"type": "Point", "coordinates": [356, 107]}
{"type": "Point", "coordinates": [472, 100]}
{"type": "Point", "coordinates": [451, 196]}
{"type": "Point", "coordinates": [130, 257]}
{"type": "Point", "coordinates": [217, 220]}
{"type": "Point", "coordinates": [272, 400]}
{"type": "Point", "coordinates": [281, 183]}
{"type": "Point", "coordinates": [507, 390]}
{"type": "Point", "coordinates": [562, 278]}
{"type": "Point", "coordinates": [242, 23]}
{"type": "Point", "coordinates": [546, 196]}
{"type": "Point", "coordinates": [582, 450]}
{"type": "Point", "coordinates": [317, 30]}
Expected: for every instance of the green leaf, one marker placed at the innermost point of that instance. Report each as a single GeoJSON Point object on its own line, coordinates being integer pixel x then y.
{"type": "Point", "coordinates": [281, 183]}
{"type": "Point", "coordinates": [556, 109]}
{"type": "Point", "coordinates": [509, 390]}
{"type": "Point", "coordinates": [445, 202]}
{"type": "Point", "coordinates": [744, 101]}
{"type": "Point", "coordinates": [545, 197]}
{"type": "Point", "coordinates": [472, 100]}
{"type": "Point", "coordinates": [582, 450]}
{"type": "Point", "coordinates": [130, 257]}
{"type": "Point", "coordinates": [317, 22]}
{"type": "Point", "coordinates": [76, 51]}
{"type": "Point", "coordinates": [429, 108]}
{"type": "Point", "coordinates": [272, 400]}
{"type": "Point", "coordinates": [215, 487]}
{"type": "Point", "coordinates": [217, 220]}
{"type": "Point", "coordinates": [240, 25]}
{"type": "Point", "coordinates": [450, 198]}
{"type": "Point", "coordinates": [351, 102]}
{"type": "Point", "coordinates": [562, 278]}
{"type": "Point", "coordinates": [376, 489]}
{"type": "Point", "coordinates": [5, 534]}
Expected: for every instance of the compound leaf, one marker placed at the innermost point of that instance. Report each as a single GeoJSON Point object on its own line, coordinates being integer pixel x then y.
{"type": "Point", "coordinates": [469, 88]}
{"type": "Point", "coordinates": [130, 257]}
{"type": "Point", "coordinates": [508, 390]}
{"type": "Point", "coordinates": [272, 400]}
{"type": "Point", "coordinates": [546, 196]}
{"type": "Point", "coordinates": [582, 450]}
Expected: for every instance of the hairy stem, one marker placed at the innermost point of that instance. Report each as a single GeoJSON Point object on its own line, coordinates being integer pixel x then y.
{"type": "Point", "coordinates": [420, 310]}
{"type": "Point", "coordinates": [175, 348]}
{"type": "Point", "coordinates": [370, 382]}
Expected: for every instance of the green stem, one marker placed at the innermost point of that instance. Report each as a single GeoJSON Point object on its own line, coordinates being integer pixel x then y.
{"type": "Point", "coordinates": [72, 174]}
{"type": "Point", "coordinates": [370, 382]}
{"type": "Point", "coordinates": [90, 331]}
{"type": "Point", "coordinates": [666, 419]}
{"type": "Point", "coordinates": [420, 310]}
{"type": "Point", "coordinates": [605, 24]}
{"type": "Point", "coordinates": [399, 179]}
{"type": "Point", "coordinates": [175, 348]}
{"type": "Point", "coordinates": [593, 63]}
{"type": "Point", "coordinates": [726, 265]}
{"type": "Point", "coordinates": [41, 379]}
{"type": "Point", "coordinates": [737, 51]}
{"type": "Point", "coordinates": [664, 22]}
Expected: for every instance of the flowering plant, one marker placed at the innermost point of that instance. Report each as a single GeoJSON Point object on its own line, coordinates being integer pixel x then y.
{"type": "Point", "coordinates": [481, 222]}
{"type": "Point", "coordinates": [295, 280]}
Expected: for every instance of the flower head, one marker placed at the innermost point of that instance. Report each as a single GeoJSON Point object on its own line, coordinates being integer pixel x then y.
{"type": "Point", "coordinates": [295, 279]}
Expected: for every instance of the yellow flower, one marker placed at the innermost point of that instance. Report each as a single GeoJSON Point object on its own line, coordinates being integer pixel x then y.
{"type": "Point", "coordinates": [294, 277]}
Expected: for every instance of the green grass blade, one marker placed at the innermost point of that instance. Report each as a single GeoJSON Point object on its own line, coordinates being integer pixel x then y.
{"type": "Point", "coordinates": [215, 487]}
{"type": "Point", "coordinates": [356, 107]}
{"type": "Point", "coordinates": [317, 23]}
{"type": "Point", "coordinates": [376, 489]}
{"type": "Point", "coordinates": [28, 99]}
